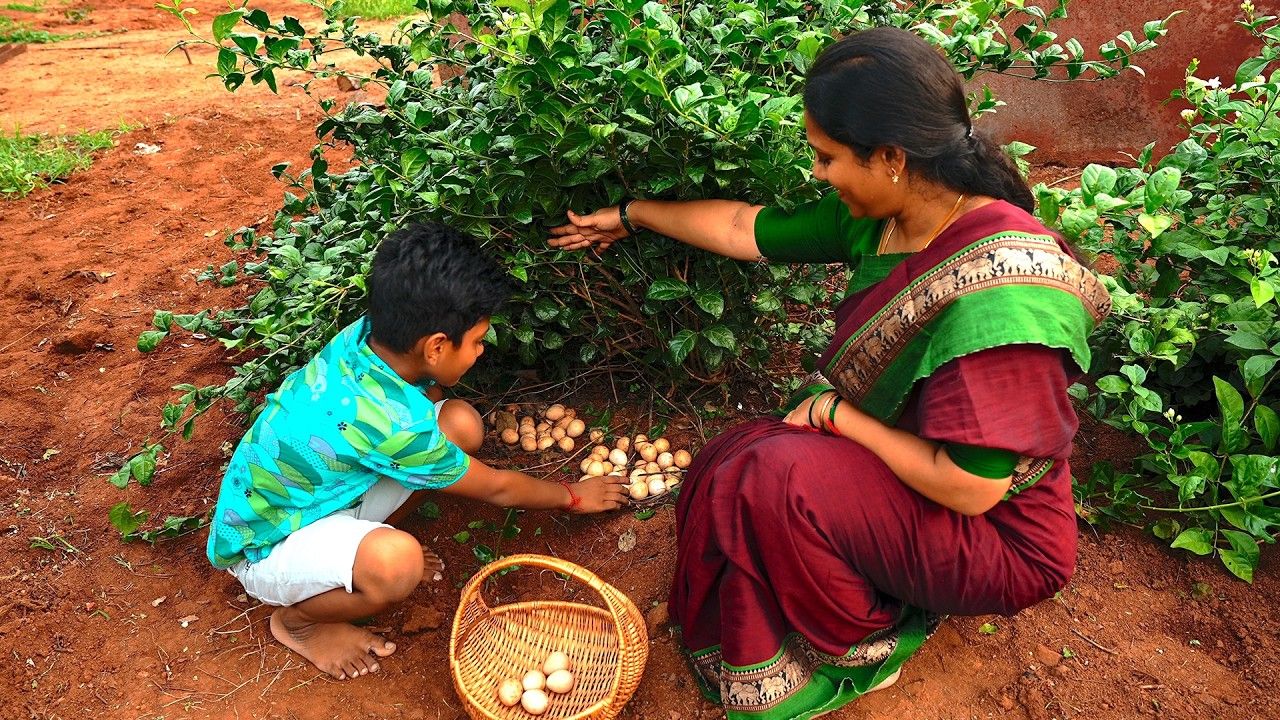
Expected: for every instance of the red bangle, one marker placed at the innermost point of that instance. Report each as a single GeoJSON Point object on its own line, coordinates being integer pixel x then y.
{"type": "Point", "coordinates": [574, 499]}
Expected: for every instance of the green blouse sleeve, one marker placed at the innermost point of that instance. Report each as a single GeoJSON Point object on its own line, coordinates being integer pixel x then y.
{"type": "Point", "coordinates": [821, 231]}
{"type": "Point", "coordinates": [984, 462]}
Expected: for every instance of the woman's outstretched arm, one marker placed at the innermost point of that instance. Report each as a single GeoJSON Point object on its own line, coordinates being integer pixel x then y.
{"type": "Point", "coordinates": [724, 227]}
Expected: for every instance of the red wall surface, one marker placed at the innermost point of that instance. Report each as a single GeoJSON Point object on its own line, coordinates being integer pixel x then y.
{"type": "Point", "coordinates": [1078, 123]}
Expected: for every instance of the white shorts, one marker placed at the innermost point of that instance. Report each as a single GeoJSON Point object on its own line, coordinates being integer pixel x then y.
{"type": "Point", "coordinates": [320, 557]}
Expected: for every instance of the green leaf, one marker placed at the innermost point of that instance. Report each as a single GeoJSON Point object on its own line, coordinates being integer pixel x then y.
{"type": "Point", "coordinates": [1262, 291]}
{"type": "Point", "coordinates": [1242, 558]}
{"type": "Point", "coordinates": [1155, 224]}
{"type": "Point", "coordinates": [1267, 423]}
{"type": "Point", "coordinates": [988, 628]}
{"type": "Point", "coordinates": [227, 62]}
{"type": "Point", "coordinates": [1097, 179]}
{"type": "Point", "coordinates": [413, 161]}
{"type": "Point", "coordinates": [721, 336]}
{"type": "Point", "coordinates": [149, 339]}
{"type": "Point", "coordinates": [711, 302]}
{"type": "Point", "coordinates": [1196, 540]}
{"type": "Point", "coordinates": [125, 519]}
{"type": "Point", "coordinates": [1231, 405]}
{"type": "Point", "coordinates": [1160, 188]}
{"type": "Point", "coordinates": [223, 24]}
{"type": "Point", "coordinates": [682, 344]}
{"type": "Point", "coordinates": [1256, 371]}
{"type": "Point", "coordinates": [1112, 384]}
{"type": "Point", "coordinates": [120, 478]}
{"type": "Point", "coordinates": [668, 289]}
{"type": "Point", "coordinates": [162, 320]}
{"type": "Point", "coordinates": [462, 537]}
{"type": "Point", "coordinates": [1251, 68]}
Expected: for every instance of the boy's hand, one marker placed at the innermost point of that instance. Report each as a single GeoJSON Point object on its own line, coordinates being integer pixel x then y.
{"type": "Point", "coordinates": [598, 494]}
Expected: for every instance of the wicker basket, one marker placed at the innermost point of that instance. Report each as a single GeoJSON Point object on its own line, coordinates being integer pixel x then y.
{"type": "Point", "coordinates": [607, 648]}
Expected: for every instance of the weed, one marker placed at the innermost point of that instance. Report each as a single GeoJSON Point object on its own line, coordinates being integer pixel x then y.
{"type": "Point", "coordinates": [29, 162]}
{"type": "Point", "coordinates": [53, 542]}
{"type": "Point", "coordinates": [22, 7]}
{"type": "Point", "coordinates": [376, 9]}
{"type": "Point", "coordinates": [78, 14]}
{"type": "Point", "coordinates": [16, 32]}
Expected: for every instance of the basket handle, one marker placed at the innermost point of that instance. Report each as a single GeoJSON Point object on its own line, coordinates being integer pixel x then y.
{"type": "Point", "coordinates": [577, 572]}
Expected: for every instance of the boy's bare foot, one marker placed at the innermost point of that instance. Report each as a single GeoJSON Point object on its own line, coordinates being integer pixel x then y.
{"type": "Point", "coordinates": [433, 566]}
{"type": "Point", "coordinates": [340, 649]}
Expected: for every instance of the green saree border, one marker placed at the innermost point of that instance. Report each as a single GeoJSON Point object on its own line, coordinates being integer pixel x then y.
{"type": "Point", "coordinates": [1002, 273]}
{"type": "Point", "coordinates": [799, 681]}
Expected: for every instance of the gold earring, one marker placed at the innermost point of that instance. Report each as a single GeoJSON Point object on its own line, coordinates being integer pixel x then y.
{"type": "Point", "coordinates": [895, 178]}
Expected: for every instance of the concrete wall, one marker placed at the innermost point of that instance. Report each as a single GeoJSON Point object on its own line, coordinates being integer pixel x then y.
{"type": "Point", "coordinates": [1078, 123]}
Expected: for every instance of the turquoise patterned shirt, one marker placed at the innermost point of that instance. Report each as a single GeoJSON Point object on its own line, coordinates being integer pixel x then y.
{"type": "Point", "coordinates": [334, 428]}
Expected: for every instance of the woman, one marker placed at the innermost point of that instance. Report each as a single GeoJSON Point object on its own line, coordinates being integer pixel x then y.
{"type": "Point", "coordinates": [923, 471]}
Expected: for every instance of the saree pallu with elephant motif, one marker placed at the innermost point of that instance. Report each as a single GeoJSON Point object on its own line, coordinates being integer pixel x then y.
{"type": "Point", "coordinates": [807, 572]}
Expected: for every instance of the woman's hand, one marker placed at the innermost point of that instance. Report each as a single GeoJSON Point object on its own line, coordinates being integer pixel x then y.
{"type": "Point", "coordinates": [807, 415]}
{"type": "Point", "coordinates": [597, 494]}
{"type": "Point", "coordinates": [601, 228]}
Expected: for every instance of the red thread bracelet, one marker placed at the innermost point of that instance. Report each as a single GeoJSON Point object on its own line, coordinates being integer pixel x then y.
{"type": "Point", "coordinates": [574, 499]}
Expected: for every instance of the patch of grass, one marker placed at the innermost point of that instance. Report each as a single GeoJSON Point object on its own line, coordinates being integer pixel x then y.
{"type": "Point", "coordinates": [78, 14]}
{"type": "Point", "coordinates": [16, 32]}
{"type": "Point", "coordinates": [28, 162]}
{"type": "Point", "coordinates": [378, 9]}
{"type": "Point", "coordinates": [21, 7]}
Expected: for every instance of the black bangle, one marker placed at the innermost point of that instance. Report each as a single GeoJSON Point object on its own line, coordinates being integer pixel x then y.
{"type": "Point", "coordinates": [622, 215]}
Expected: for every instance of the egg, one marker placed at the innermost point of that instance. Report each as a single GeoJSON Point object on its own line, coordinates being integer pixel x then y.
{"type": "Point", "coordinates": [566, 444]}
{"type": "Point", "coordinates": [595, 468]}
{"type": "Point", "coordinates": [557, 433]}
{"type": "Point", "coordinates": [648, 452]}
{"type": "Point", "coordinates": [666, 460]}
{"type": "Point", "coordinates": [555, 412]}
{"type": "Point", "coordinates": [682, 459]}
{"type": "Point", "coordinates": [585, 464]}
{"type": "Point", "coordinates": [642, 438]}
{"type": "Point", "coordinates": [528, 443]}
{"type": "Point", "coordinates": [509, 692]}
{"type": "Point", "coordinates": [600, 452]}
{"type": "Point", "coordinates": [623, 444]}
{"type": "Point", "coordinates": [652, 468]}
{"type": "Point", "coordinates": [638, 490]}
{"type": "Point", "coordinates": [534, 702]}
{"type": "Point", "coordinates": [510, 436]}
{"type": "Point", "coordinates": [560, 681]}
{"type": "Point", "coordinates": [555, 661]}
{"type": "Point", "coordinates": [618, 457]}
{"type": "Point", "coordinates": [662, 444]}
{"type": "Point", "coordinates": [657, 486]}
{"type": "Point", "coordinates": [545, 442]}
{"type": "Point", "coordinates": [576, 428]}
{"type": "Point", "coordinates": [534, 680]}
{"type": "Point", "coordinates": [597, 436]}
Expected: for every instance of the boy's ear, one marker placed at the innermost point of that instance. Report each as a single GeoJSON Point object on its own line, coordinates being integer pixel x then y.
{"type": "Point", "coordinates": [431, 348]}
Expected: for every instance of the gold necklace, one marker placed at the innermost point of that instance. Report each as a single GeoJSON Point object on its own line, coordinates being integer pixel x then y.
{"type": "Point", "coordinates": [893, 225]}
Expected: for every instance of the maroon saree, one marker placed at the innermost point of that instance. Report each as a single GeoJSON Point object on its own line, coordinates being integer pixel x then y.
{"type": "Point", "coordinates": [806, 571]}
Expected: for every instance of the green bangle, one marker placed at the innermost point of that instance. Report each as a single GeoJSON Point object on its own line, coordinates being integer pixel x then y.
{"type": "Point", "coordinates": [831, 420]}
{"type": "Point", "coordinates": [622, 215]}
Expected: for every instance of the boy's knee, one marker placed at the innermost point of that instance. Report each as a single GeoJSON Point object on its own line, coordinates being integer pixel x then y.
{"type": "Point", "coordinates": [389, 565]}
{"type": "Point", "coordinates": [462, 424]}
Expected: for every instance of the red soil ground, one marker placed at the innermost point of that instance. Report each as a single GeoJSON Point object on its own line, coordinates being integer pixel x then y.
{"type": "Point", "coordinates": [96, 632]}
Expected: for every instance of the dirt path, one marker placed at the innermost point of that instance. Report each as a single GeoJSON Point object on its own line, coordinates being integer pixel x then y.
{"type": "Point", "coordinates": [97, 632]}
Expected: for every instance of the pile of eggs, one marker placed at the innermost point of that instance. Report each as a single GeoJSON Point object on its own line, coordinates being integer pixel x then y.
{"type": "Point", "coordinates": [557, 426]}
{"type": "Point", "coordinates": [531, 690]}
{"type": "Point", "coordinates": [651, 471]}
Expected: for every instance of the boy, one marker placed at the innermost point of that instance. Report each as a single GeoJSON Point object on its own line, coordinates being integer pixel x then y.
{"type": "Point", "coordinates": [352, 440]}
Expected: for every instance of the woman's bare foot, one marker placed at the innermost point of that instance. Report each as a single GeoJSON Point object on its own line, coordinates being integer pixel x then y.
{"type": "Point", "coordinates": [432, 566]}
{"type": "Point", "coordinates": [339, 649]}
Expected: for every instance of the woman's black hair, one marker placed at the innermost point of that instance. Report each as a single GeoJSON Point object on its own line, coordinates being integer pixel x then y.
{"type": "Point", "coordinates": [429, 278]}
{"type": "Point", "coordinates": [888, 87]}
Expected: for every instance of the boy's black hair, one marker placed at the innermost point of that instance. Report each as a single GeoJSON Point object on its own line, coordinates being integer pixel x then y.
{"type": "Point", "coordinates": [428, 278]}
